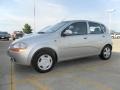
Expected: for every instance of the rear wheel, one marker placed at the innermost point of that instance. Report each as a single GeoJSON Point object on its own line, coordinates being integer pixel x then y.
{"type": "Point", "coordinates": [106, 53]}
{"type": "Point", "coordinates": [44, 61]}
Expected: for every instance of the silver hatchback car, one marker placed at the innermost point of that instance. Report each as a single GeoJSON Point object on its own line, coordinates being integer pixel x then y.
{"type": "Point", "coordinates": [64, 41]}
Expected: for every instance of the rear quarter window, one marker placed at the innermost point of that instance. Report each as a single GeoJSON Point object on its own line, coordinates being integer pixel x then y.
{"type": "Point", "coordinates": [103, 28]}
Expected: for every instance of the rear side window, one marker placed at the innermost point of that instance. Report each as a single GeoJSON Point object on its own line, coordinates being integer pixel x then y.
{"type": "Point", "coordinates": [95, 28]}
{"type": "Point", "coordinates": [103, 28]}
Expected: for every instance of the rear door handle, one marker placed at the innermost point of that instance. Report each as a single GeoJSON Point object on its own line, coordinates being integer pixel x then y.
{"type": "Point", "coordinates": [103, 36]}
{"type": "Point", "coordinates": [85, 37]}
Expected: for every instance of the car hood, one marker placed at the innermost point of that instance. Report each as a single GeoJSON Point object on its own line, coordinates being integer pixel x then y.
{"type": "Point", "coordinates": [33, 38]}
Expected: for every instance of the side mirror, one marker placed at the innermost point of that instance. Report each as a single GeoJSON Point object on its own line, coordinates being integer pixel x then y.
{"type": "Point", "coordinates": [67, 33]}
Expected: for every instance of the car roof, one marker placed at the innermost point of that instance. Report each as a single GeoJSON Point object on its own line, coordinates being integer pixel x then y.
{"type": "Point", "coordinates": [83, 21]}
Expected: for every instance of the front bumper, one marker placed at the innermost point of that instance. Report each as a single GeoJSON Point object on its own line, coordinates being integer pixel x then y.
{"type": "Point", "coordinates": [18, 57]}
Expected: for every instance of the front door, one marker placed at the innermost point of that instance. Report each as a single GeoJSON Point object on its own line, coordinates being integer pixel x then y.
{"type": "Point", "coordinates": [76, 44]}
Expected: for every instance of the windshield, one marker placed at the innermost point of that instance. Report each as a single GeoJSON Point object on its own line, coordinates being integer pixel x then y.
{"type": "Point", "coordinates": [51, 29]}
{"type": "Point", "coordinates": [3, 33]}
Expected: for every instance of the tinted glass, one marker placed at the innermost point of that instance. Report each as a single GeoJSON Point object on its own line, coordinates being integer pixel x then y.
{"type": "Point", "coordinates": [53, 28]}
{"type": "Point", "coordinates": [3, 33]}
{"type": "Point", "coordinates": [79, 28]}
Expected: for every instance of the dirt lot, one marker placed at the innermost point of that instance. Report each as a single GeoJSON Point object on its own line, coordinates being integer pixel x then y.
{"type": "Point", "coordinates": [116, 45]}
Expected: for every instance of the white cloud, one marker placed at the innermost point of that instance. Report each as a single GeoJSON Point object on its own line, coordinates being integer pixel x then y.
{"type": "Point", "coordinates": [13, 18]}
{"type": "Point", "coordinates": [49, 13]}
{"type": "Point", "coordinates": [46, 13]}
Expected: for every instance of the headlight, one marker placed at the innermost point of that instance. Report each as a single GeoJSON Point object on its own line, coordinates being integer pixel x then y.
{"type": "Point", "coordinates": [20, 46]}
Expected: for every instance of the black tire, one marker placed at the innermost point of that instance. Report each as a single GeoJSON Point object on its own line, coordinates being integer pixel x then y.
{"type": "Point", "coordinates": [103, 56]}
{"type": "Point", "coordinates": [37, 56]}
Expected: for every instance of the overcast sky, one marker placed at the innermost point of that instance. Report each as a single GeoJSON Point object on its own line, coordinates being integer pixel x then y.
{"type": "Point", "coordinates": [15, 13]}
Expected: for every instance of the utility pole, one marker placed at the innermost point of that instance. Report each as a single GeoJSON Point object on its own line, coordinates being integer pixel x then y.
{"type": "Point", "coordinates": [34, 15]}
{"type": "Point", "coordinates": [110, 11]}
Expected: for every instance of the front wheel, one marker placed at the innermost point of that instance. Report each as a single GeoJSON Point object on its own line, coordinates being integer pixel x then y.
{"type": "Point", "coordinates": [106, 53]}
{"type": "Point", "coordinates": [44, 61]}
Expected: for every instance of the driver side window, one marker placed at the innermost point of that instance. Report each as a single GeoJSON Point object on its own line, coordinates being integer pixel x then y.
{"type": "Point", "coordinates": [79, 28]}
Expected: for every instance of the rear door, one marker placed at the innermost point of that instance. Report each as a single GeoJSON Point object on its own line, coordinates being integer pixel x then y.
{"type": "Point", "coordinates": [96, 37]}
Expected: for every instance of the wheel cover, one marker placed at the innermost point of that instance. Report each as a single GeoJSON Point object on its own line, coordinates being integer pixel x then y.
{"type": "Point", "coordinates": [107, 52]}
{"type": "Point", "coordinates": [45, 62]}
